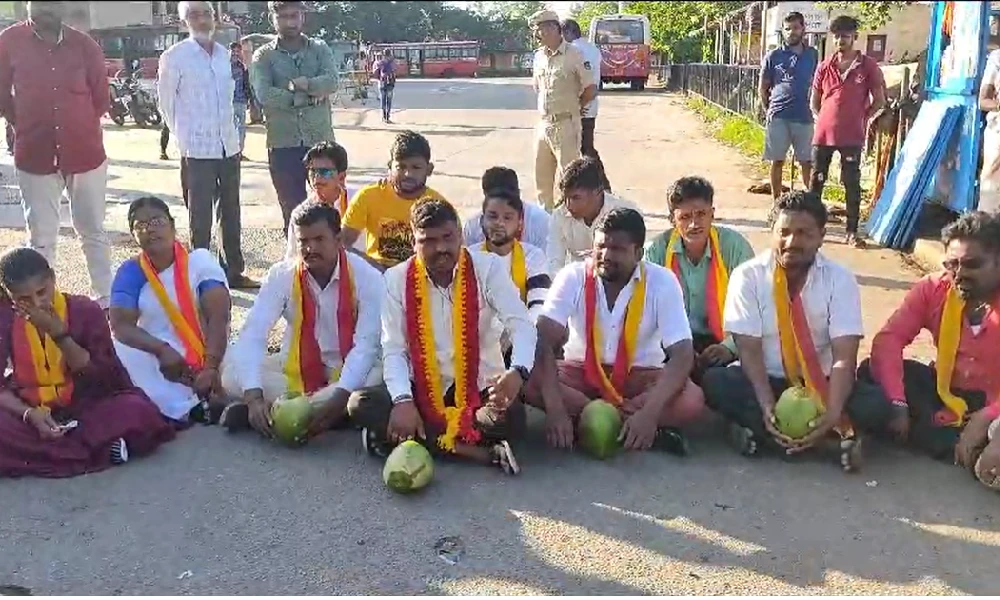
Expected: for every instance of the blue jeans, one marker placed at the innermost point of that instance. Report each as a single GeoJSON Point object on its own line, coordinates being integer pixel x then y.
{"type": "Point", "coordinates": [385, 96]}
{"type": "Point", "coordinates": [240, 119]}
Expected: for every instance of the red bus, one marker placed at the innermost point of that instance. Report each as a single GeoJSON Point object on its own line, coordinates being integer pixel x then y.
{"type": "Point", "coordinates": [146, 43]}
{"type": "Point", "coordinates": [430, 59]}
{"type": "Point", "coordinates": [624, 42]}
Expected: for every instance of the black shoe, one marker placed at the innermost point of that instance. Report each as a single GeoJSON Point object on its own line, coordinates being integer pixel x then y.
{"type": "Point", "coordinates": [119, 452]}
{"type": "Point", "coordinates": [373, 445]}
{"type": "Point", "coordinates": [744, 440]}
{"type": "Point", "coordinates": [671, 440]}
{"type": "Point", "coordinates": [163, 156]}
{"type": "Point", "coordinates": [235, 417]}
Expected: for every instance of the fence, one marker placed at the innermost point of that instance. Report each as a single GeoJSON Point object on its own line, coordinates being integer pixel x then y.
{"type": "Point", "coordinates": [732, 87]}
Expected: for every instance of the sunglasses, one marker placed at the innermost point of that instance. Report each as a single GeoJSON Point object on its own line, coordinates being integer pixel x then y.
{"type": "Point", "coordinates": [323, 173]}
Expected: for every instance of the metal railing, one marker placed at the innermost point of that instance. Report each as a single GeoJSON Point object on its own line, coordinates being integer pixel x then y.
{"type": "Point", "coordinates": [731, 87]}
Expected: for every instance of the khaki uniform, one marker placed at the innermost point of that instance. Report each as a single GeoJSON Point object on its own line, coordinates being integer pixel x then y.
{"type": "Point", "coordinates": [559, 78]}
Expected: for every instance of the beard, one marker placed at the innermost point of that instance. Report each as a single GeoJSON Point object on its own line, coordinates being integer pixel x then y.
{"type": "Point", "coordinates": [201, 36]}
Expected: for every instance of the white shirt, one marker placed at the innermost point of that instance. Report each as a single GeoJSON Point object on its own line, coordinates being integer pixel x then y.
{"type": "Point", "coordinates": [536, 227]}
{"type": "Point", "coordinates": [664, 320]}
{"type": "Point", "coordinates": [292, 248]}
{"type": "Point", "coordinates": [536, 268]}
{"type": "Point", "coordinates": [831, 299]}
{"type": "Point", "coordinates": [498, 300]}
{"type": "Point", "coordinates": [571, 239]}
{"type": "Point", "coordinates": [195, 92]}
{"type": "Point", "coordinates": [274, 302]}
{"type": "Point", "coordinates": [591, 54]}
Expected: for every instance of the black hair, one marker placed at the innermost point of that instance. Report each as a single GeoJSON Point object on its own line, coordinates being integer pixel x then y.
{"type": "Point", "coordinates": [511, 197]}
{"type": "Point", "coordinates": [311, 212]}
{"type": "Point", "coordinates": [583, 173]}
{"type": "Point", "coordinates": [500, 177]}
{"type": "Point", "coordinates": [976, 226]}
{"type": "Point", "coordinates": [844, 24]}
{"type": "Point", "coordinates": [432, 212]}
{"type": "Point", "coordinates": [625, 220]}
{"type": "Point", "coordinates": [690, 188]}
{"type": "Point", "coordinates": [410, 144]}
{"type": "Point", "coordinates": [331, 150]}
{"type": "Point", "coordinates": [276, 5]}
{"type": "Point", "coordinates": [795, 16]}
{"type": "Point", "coordinates": [802, 201]}
{"type": "Point", "coordinates": [235, 46]}
{"type": "Point", "coordinates": [572, 26]}
{"type": "Point", "coordinates": [18, 265]}
{"type": "Point", "coordinates": [147, 202]}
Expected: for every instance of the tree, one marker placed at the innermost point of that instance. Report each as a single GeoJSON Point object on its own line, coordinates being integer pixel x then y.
{"type": "Point", "coordinates": [871, 15]}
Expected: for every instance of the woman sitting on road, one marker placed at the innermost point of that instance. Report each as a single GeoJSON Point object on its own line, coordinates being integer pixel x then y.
{"type": "Point", "coordinates": [170, 316]}
{"type": "Point", "coordinates": [68, 406]}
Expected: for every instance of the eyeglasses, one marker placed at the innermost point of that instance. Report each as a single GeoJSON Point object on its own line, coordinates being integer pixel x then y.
{"type": "Point", "coordinates": [323, 173]}
{"type": "Point", "coordinates": [155, 222]}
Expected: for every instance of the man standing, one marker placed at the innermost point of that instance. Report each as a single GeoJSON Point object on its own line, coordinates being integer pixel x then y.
{"type": "Point", "coordinates": [195, 88]}
{"type": "Point", "coordinates": [785, 80]}
{"type": "Point", "coordinates": [989, 103]}
{"type": "Point", "coordinates": [242, 93]}
{"type": "Point", "coordinates": [385, 71]}
{"type": "Point", "coordinates": [565, 84]}
{"type": "Point", "coordinates": [53, 90]}
{"type": "Point", "coordinates": [591, 57]}
{"type": "Point", "coordinates": [293, 77]}
{"type": "Point", "coordinates": [847, 91]}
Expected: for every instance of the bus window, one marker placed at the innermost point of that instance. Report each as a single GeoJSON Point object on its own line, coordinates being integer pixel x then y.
{"type": "Point", "coordinates": [620, 32]}
{"type": "Point", "coordinates": [455, 52]}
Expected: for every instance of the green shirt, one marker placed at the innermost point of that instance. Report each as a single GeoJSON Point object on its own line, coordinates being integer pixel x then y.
{"type": "Point", "coordinates": [735, 250]}
{"type": "Point", "coordinates": [299, 118]}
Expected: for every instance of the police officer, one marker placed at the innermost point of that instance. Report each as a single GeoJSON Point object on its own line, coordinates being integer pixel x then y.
{"type": "Point", "coordinates": [565, 83]}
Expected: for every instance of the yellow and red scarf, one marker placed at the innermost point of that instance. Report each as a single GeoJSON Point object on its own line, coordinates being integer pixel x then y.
{"type": "Point", "coordinates": [457, 421]}
{"type": "Point", "coordinates": [798, 351]}
{"type": "Point", "coordinates": [518, 268]}
{"type": "Point", "coordinates": [40, 373]}
{"type": "Point", "coordinates": [716, 283]}
{"type": "Point", "coordinates": [593, 370]}
{"type": "Point", "coordinates": [304, 368]}
{"type": "Point", "coordinates": [183, 315]}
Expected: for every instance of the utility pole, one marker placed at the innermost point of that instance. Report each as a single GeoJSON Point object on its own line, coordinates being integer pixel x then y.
{"type": "Point", "coordinates": [621, 7]}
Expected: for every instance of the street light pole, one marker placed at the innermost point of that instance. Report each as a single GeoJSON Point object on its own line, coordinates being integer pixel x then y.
{"type": "Point", "coordinates": [621, 7]}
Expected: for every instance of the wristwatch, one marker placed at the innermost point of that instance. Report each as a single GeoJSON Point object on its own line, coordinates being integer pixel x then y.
{"type": "Point", "coordinates": [522, 371]}
{"type": "Point", "coordinates": [402, 398]}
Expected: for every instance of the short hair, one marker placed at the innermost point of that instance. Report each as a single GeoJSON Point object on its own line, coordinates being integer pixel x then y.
{"type": "Point", "coordinates": [572, 26]}
{"type": "Point", "coordinates": [500, 177]}
{"type": "Point", "coordinates": [410, 144]}
{"type": "Point", "coordinates": [844, 24]}
{"type": "Point", "coordinates": [18, 265]}
{"type": "Point", "coordinates": [508, 195]}
{"type": "Point", "coordinates": [312, 212]}
{"type": "Point", "coordinates": [795, 16]}
{"type": "Point", "coordinates": [803, 201]}
{"type": "Point", "coordinates": [583, 173]}
{"type": "Point", "coordinates": [235, 46]}
{"type": "Point", "coordinates": [276, 5]}
{"type": "Point", "coordinates": [625, 220]}
{"type": "Point", "coordinates": [185, 5]}
{"type": "Point", "coordinates": [976, 226]}
{"type": "Point", "coordinates": [333, 151]}
{"type": "Point", "coordinates": [690, 188]}
{"type": "Point", "coordinates": [147, 202]}
{"type": "Point", "coordinates": [432, 212]}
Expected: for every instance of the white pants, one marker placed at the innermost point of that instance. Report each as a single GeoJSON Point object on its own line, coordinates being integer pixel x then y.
{"type": "Point", "coordinates": [274, 382]}
{"type": "Point", "coordinates": [40, 195]}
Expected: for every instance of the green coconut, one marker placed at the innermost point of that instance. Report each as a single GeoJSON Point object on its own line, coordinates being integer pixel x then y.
{"type": "Point", "coordinates": [408, 468]}
{"type": "Point", "coordinates": [796, 412]}
{"type": "Point", "coordinates": [290, 419]}
{"type": "Point", "coordinates": [600, 425]}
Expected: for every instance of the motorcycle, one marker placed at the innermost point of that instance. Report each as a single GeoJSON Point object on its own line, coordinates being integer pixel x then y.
{"type": "Point", "coordinates": [129, 99]}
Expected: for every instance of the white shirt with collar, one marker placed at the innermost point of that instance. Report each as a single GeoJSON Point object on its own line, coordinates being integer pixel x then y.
{"type": "Point", "coordinates": [535, 267]}
{"type": "Point", "coordinates": [499, 300]}
{"type": "Point", "coordinates": [195, 92]}
{"type": "Point", "coordinates": [664, 318]}
{"type": "Point", "coordinates": [830, 296]}
{"type": "Point", "coordinates": [571, 239]}
{"type": "Point", "coordinates": [591, 54]}
{"type": "Point", "coordinates": [536, 227]}
{"type": "Point", "coordinates": [275, 301]}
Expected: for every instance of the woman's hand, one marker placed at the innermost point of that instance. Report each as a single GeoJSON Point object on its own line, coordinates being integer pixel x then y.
{"type": "Point", "coordinates": [43, 422]}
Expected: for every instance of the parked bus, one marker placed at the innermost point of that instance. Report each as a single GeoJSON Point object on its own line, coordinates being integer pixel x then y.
{"type": "Point", "coordinates": [624, 42]}
{"type": "Point", "coordinates": [146, 43]}
{"type": "Point", "coordinates": [430, 59]}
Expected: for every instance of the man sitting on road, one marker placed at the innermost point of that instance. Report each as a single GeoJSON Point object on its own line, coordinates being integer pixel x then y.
{"type": "Point", "coordinates": [534, 229]}
{"type": "Point", "coordinates": [445, 380]}
{"type": "Point", "coordinates": [382, 210]}
{"type": "Point", "coordinates": [615, 314]}
{"type": "Point", "coordinates": [796, 319]}
{"type": "Point", "coordinates": [326, 173]}
{"type": "Point", "coordinates": [585, 201]}
{"type": "Point", "coordinates": [703, 256]}
{"type": "Point", "coordinates": [330, 300]}
{"type": "Point", "coordinates": [945, 408]}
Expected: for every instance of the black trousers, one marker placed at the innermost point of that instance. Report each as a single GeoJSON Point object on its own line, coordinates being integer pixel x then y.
{"type": "Point", "coordinates": [850, 174]}
{"type": "Point", "coordinates": [164, 138]}
{"type": "Point", "coordinates": [370, 407]}
{"type": "Point", "coordinates": [729, 393]}
{"type": "Point", "coordinates": [587, 146]}
{"type": "Point", "coordinates": [920, 386]}
{"type": "Point", "coordinates": [214, 185]}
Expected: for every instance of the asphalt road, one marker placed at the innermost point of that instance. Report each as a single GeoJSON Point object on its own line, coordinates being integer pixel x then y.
{"type": "Point", "coordinates": [219, 514]}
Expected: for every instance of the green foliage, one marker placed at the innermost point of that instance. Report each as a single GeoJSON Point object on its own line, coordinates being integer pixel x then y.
{"type": "Point", "coordinates": [872, 15]}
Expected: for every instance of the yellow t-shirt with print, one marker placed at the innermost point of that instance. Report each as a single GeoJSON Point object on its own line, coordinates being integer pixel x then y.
{"type": "Point", "coordinates": [385, 218]}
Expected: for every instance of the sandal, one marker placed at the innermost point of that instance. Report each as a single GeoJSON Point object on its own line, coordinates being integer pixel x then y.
{"type": "Point", "coordinates": [503, 457]}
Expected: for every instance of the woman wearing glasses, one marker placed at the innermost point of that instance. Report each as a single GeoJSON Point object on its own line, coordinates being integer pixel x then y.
{"type": "Point", "coordinates": [170, 311]}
